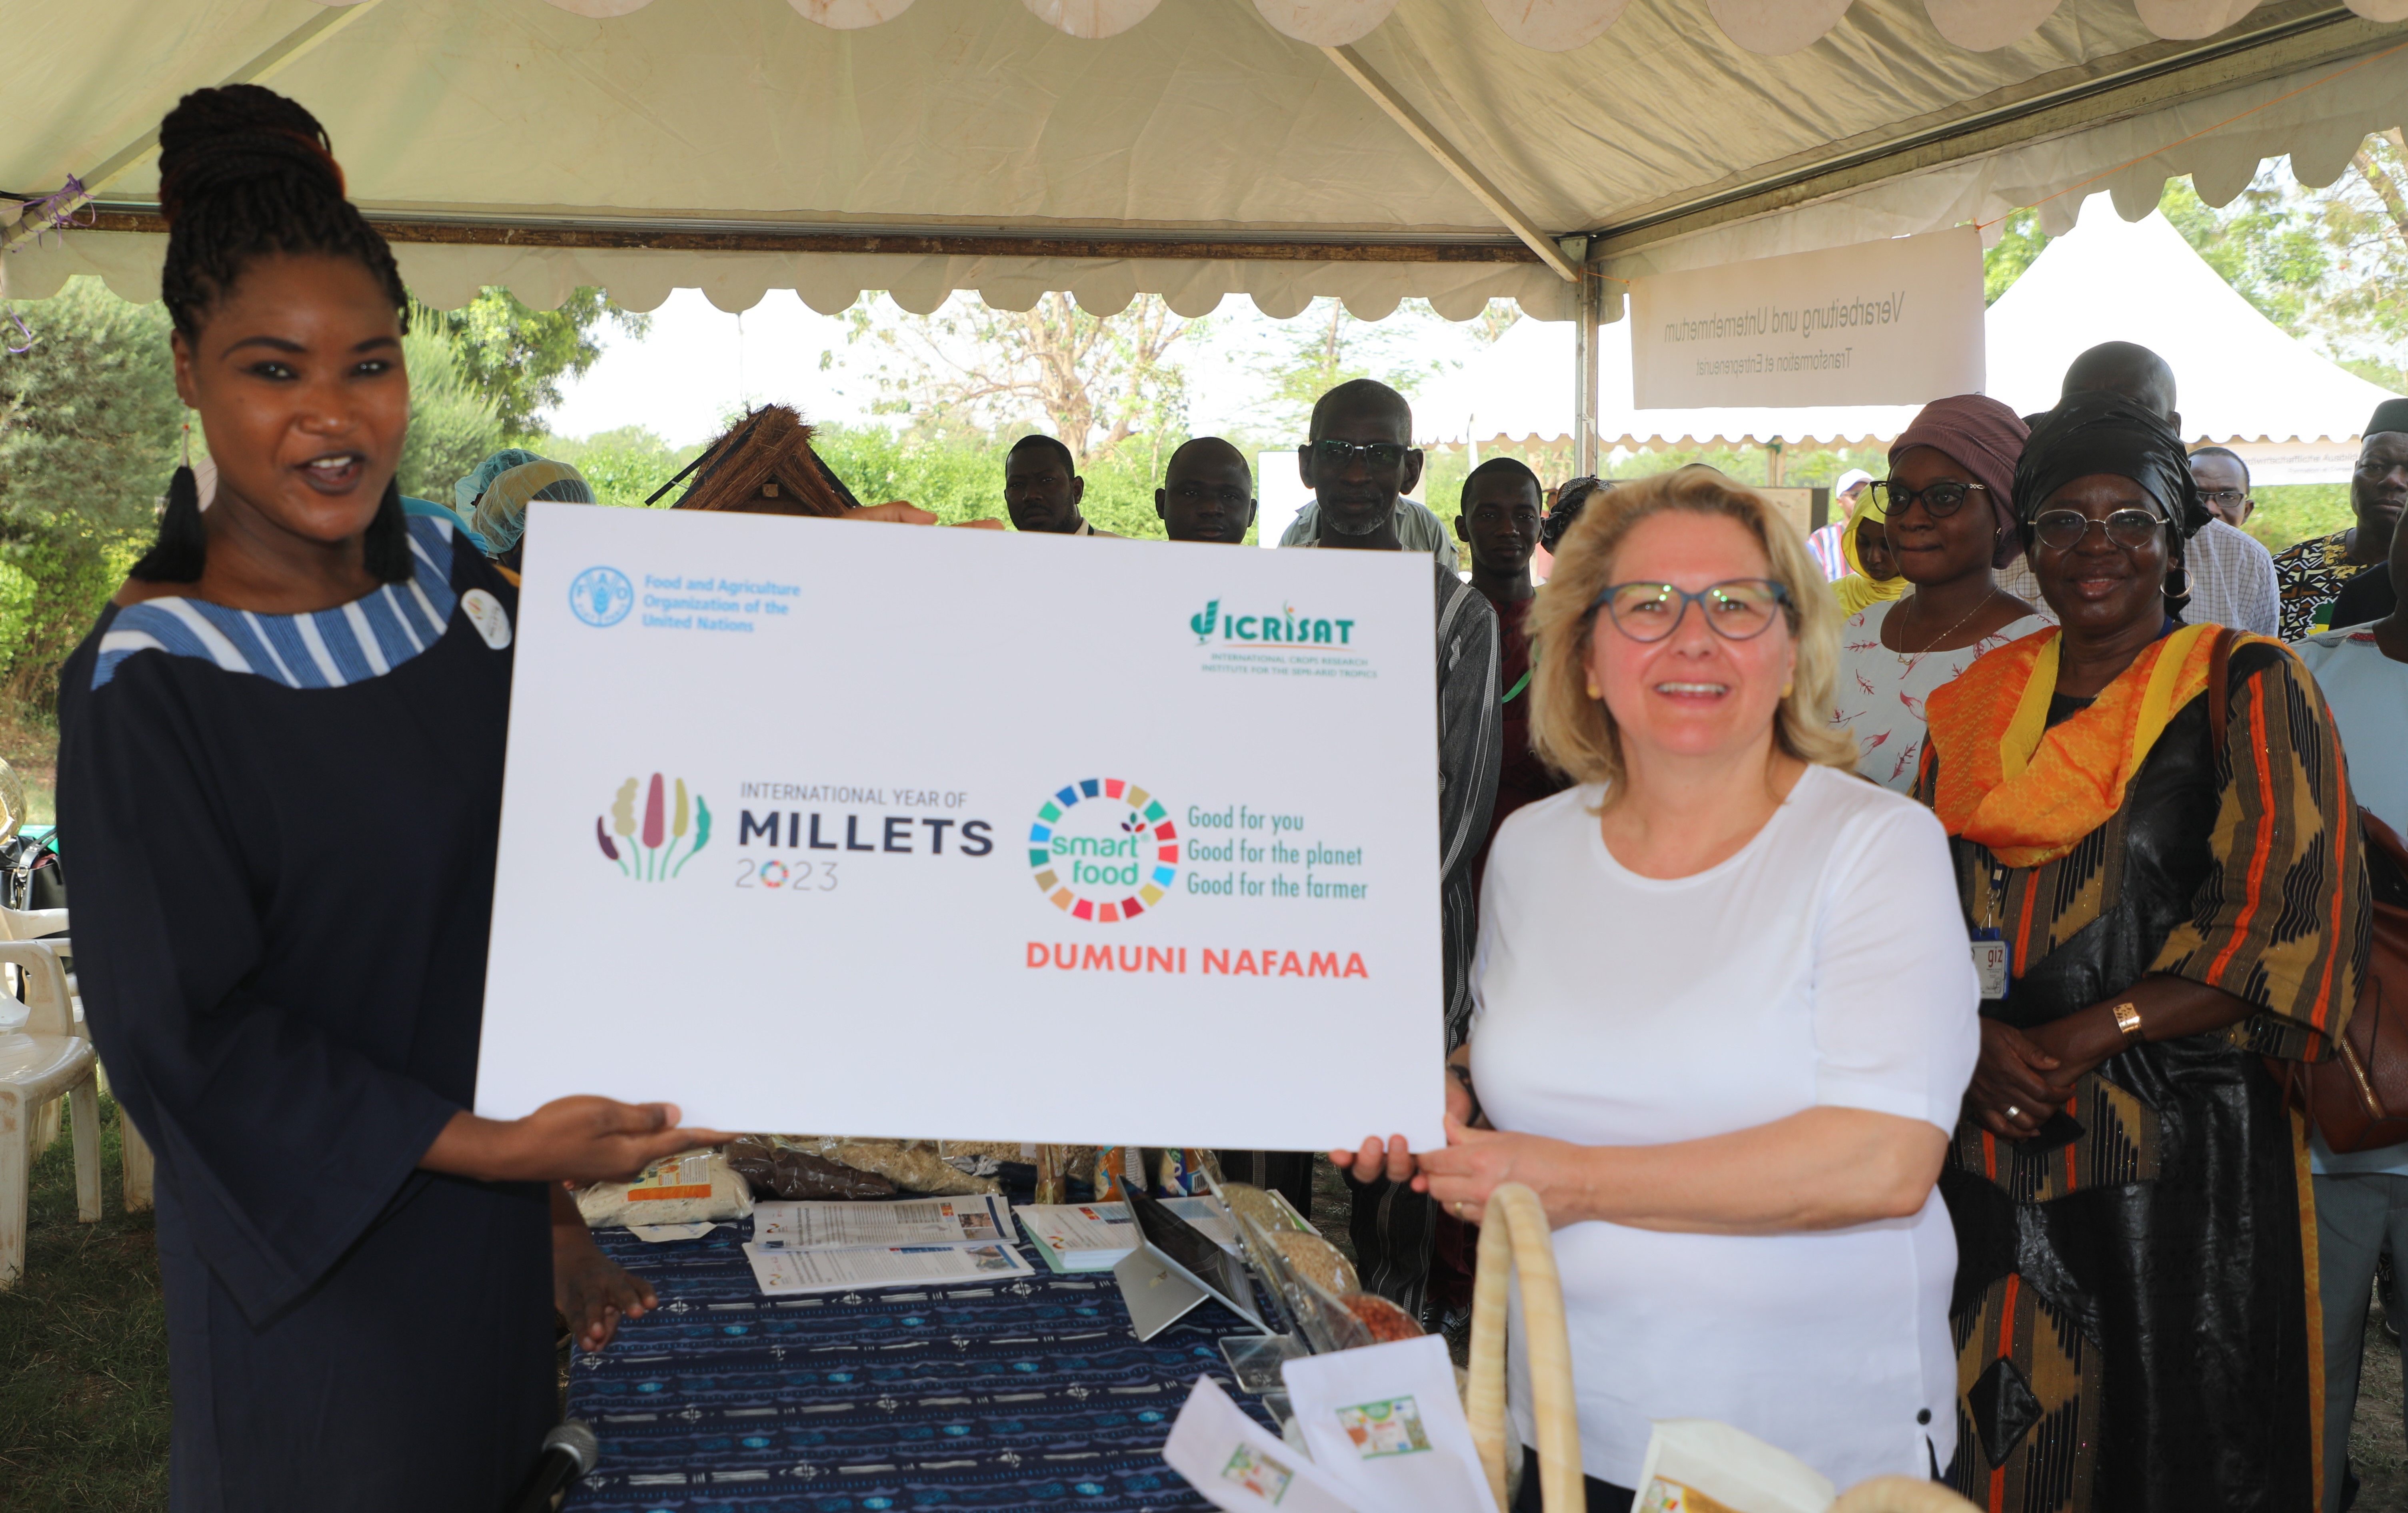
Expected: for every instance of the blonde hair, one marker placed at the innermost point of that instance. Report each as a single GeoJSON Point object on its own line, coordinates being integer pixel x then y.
{"type": "Point", "coordinates": [1574, 733]}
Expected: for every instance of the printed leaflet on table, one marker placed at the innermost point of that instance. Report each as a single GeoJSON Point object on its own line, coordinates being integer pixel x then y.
{"type": "Point", "coordinates": [795, 1273]}
{"type": "Point", "coordinates": [911, 1222]}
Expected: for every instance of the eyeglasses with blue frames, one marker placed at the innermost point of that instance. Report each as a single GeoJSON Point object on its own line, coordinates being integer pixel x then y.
{"type": "Point", "coordinates": [1736, 609]}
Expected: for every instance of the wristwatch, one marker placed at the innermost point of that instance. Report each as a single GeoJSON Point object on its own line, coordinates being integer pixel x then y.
{"type": "Point", "coordinates": [2127, 1021]}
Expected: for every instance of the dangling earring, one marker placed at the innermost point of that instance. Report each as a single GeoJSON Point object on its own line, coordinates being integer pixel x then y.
{"type": "Point", "coordinates": [180, 550]}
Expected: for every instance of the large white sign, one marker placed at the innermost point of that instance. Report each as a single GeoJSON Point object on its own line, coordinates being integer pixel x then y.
{"type": "Point", "coordinates": [866, 829]}
{"type": "Point", "coordinates": [1887, 322]}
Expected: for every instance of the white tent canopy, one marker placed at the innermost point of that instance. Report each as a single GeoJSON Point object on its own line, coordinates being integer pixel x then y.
{"type": "Point", "coordinates": [2243, 381]}
{"type": "Point", "coordinates": [2240, 377]}
{"type": "Point", "coordinates": [1281, 148]}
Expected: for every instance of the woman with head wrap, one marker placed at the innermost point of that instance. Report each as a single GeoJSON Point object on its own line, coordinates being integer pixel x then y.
{"type": "Point", "coordinates": [1947, 511]}
{"type": "Point", "coordinates": [1872, 572]}
{"type": "Point", "coordinates": [2169, 888]}
{"type": "Point", "coordinates": [501, 508]}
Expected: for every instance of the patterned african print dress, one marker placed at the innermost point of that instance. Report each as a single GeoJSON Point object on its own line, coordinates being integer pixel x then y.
{"type": "Point", "coordinates": [2310, 575]}
{"type": "Point", "coordinates": [2134, 1312]}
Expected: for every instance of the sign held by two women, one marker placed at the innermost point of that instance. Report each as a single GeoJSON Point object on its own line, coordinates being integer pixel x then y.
{"type": "Point", "coordinates": [1885, 322]}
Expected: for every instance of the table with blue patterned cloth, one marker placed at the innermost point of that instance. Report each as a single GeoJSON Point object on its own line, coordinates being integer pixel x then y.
{"type": "Point", "coordinates": [1030, 1393]}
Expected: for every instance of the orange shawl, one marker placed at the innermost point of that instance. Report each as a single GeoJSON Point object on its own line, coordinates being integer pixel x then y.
{"type": "Point", "coordinates": [2029, 793]}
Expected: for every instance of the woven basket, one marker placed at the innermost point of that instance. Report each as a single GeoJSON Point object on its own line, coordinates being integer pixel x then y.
{"type": "Point", "coordinates": [1514, 1236]}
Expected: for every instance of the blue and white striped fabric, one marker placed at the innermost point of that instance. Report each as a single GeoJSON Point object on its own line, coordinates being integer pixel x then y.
{"type": "Point", "coordinates": [329, 648]}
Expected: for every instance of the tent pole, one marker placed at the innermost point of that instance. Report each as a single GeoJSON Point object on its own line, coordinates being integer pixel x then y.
{"type": "Point", "coordinates": [1585, 449]}
{"type": "Point", "coordinates": [323, 23]}
{"type": "Point", "coordinates": [1417, 126]}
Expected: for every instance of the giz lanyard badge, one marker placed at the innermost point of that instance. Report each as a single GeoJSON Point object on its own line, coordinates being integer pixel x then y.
{"type": "Point", "coordinates": [1989, 943]}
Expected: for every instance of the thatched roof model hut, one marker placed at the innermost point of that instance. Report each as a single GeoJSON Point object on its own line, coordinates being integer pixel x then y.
{"type": "Point", "coordinates": [765, 465]}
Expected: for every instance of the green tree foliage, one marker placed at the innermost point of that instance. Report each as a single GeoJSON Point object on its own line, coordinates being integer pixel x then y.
{"type": "Point", "coordinates": [455, 424]}
{"type": "Point", "coordinates": [1095, 381]}
{"type": "Point", "coordinates": [1326, 346]}
{"type": "Point", "coordinates": [2019, 244]}
{"type": "Point", "coordinates": [519, 355]}
{"type": "Point", "coordinates": [622, 466]}
{"type": "Point", "coordinates": [960, 478]}
{"type": "Point", "coordinates": [89, 428]}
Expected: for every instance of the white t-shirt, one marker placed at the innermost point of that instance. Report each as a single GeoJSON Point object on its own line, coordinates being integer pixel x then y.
{"type": "Point", "coordinates": [2367, 694]}
{"type": "Point", "coordinates": [1824, 965]}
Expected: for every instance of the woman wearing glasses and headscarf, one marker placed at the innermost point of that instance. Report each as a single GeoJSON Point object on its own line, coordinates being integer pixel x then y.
{"type": "Point", "coordinates": [1726, 1015]}
{"type": "Point", "coordinates": [2171, 903]}
{"type": "Point", "coordinates": [1947, 510]}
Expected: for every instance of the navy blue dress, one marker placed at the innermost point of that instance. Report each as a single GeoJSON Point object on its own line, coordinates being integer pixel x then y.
{"type": "Point", "coordinates": [283, 829]}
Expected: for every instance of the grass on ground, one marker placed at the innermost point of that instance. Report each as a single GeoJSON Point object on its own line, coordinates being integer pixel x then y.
{"type": "Point", "coordinates": [83, 1350]}
{"type": "Point", "coordinates": [29, 742]}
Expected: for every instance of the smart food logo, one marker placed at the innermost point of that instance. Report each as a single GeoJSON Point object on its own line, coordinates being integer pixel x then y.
{"type": "Point", "coordinates": [1103, 849]}
{"type": "Point", "coordinates": [601, 595]}
{"type": "Point", "coordinates": [658, 847]}
{"type": "Point", "coordinates": [1284, 628]}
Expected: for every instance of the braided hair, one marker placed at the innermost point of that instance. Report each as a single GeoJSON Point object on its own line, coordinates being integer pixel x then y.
{"type": "Point", "coordinates": [245, 172]}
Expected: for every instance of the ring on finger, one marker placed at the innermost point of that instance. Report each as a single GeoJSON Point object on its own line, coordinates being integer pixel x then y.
{"type": "Point", "coordinates": [2013, 1111]}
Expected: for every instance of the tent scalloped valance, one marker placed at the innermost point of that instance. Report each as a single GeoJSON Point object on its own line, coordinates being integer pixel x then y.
{"type": "Point", "coordinates": [449, 276]}
{"type": "Point", "coordinates": [1770, 27]}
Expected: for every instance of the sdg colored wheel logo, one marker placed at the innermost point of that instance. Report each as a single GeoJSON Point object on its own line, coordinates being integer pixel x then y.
{"type": "Point", "coordinates": [1103, 849]}
{"type": "Point", "coordinates": [601, 595]}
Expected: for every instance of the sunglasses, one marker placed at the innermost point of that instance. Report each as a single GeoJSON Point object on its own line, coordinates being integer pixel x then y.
{"type": "Point", "coordinates": [2062, 530]}
{"type": "Point", "coordinates": [1331, 453]}
{"type": "Point", "coordinates": [1738, 609]}
{"type": "Point", "coordinates": [1940, 500]}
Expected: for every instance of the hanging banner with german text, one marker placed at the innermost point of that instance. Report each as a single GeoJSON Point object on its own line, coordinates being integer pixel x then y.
{"type": "Point", "coordinates": [1887, 322]}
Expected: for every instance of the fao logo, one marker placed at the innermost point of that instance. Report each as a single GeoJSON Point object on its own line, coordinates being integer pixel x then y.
{"type": "Point", "coordinates": [601, 595]}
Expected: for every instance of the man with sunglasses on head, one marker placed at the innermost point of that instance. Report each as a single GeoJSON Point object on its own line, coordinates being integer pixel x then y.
{"type": "Point", "coordinates": [1359, 463]}
{"type": "Point", "coordinates": [2232, 576]}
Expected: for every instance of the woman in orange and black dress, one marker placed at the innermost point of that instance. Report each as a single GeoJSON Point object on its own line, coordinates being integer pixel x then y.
{"type": "Point", "coordinates": [2133, 1315]}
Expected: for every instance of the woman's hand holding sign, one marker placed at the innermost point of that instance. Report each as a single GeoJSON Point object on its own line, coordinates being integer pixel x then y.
{"type": "Point", "coordinates": [577, 1139]}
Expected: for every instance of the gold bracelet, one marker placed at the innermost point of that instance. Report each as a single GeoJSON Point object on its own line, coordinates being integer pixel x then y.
{"type": "Point", "coordinates": [2127, 1021]}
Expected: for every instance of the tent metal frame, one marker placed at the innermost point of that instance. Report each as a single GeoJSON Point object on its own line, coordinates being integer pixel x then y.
{"type": "Point", "coordinates": [2280, 39]}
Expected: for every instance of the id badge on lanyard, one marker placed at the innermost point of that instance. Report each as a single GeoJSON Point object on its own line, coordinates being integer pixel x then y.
{"type": "Point", "coordinates": [1990, 962]}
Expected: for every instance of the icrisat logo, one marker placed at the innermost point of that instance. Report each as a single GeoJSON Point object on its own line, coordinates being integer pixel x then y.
{"type": "Point", "coordinates": [1108, 861]}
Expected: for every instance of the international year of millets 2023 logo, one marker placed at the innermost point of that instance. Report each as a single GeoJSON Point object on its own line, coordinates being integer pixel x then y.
{"type": "Point", "coordinates": [1109, 861]}
{"type": "Point", "coordinates": [669, 835]}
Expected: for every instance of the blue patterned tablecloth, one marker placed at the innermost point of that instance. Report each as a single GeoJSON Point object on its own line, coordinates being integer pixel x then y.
{"type": "Point", "coordinates": [1026, 1395]}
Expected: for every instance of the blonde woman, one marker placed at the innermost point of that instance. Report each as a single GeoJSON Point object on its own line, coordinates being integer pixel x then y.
{"type": "Point", "coordinates": [1725, 1010]}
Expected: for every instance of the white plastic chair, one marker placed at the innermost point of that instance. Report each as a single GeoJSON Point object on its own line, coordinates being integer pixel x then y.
{"type": "Point", "coordinates": [45, 927]}
{"type": "Point", "coordinates": [50, 1058]}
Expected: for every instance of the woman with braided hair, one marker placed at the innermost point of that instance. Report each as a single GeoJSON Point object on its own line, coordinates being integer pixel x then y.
{"type": "Point", "coordinates": [281, 772]}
